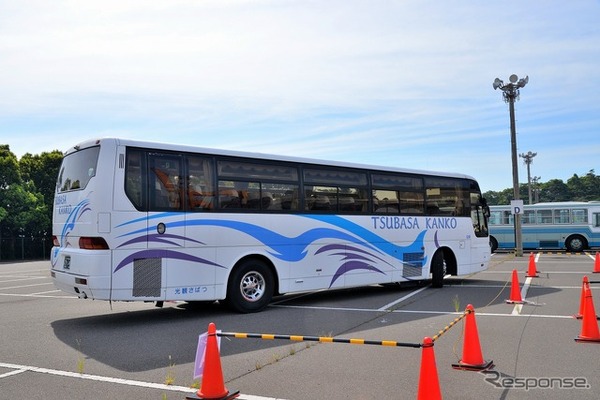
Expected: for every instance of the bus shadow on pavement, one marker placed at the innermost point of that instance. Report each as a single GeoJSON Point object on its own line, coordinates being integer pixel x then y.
{"type": "Point", "coordinates": [141, 340]}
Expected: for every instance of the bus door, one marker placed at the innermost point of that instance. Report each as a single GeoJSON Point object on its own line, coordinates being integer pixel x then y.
{"type": "Point", "coordinates": [595, 227]}
{"type": "Point", "coordinates": [165, 233]}
{"type": "Point", "coordinates": [148, 222]}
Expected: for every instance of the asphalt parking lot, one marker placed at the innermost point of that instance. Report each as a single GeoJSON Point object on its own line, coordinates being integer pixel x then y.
{"type": "Point", "coordinates": [55, 346]}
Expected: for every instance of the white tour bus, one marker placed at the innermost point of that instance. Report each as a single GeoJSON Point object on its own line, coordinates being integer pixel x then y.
{"type": "Point", "coordinates": [574, 226]}
{"type": "Point", "coordinates": [162, 222]}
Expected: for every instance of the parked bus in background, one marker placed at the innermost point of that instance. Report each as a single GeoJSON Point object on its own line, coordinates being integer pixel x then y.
{"type": "Point", "coordinates": [574, 226]}
{"type": "Point", "coordinates": [162, 222]}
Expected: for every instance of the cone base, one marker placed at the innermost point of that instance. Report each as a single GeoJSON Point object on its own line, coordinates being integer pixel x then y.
{"type": "Point", "coordinates": [514, 301]}
{"type": "Point", "coordinates": [578, 316]}
{"type": "Point", "coordinates": [580, 339]}
{"type": "Point", "coordinates": [474, 367]}
{"type": "Point", "coordinates": [228, 396]}
{"type": "Point", "coordinates": [532, 276]}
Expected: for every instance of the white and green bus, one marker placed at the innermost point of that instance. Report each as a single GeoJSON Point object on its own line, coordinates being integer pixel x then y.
{"type": "Point", "coordinates": [574, 226]}
{"type": "Point", "coordinates": [157, 222]}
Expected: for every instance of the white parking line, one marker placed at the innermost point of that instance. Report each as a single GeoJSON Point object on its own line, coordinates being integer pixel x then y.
{"type": "Point", "coordinates": [401, 299]}
{"type": "Point", "coordinates": [25, 279]}
{"type": "Point", "coordinates": [18, 369]}
{"type": "Point", "coordinates": [11, 373]}
{"type": "Point", "coordinates": [373, 310]}
{"type": "Point", "coordinates": [47, 291]}
{"type": "Point", "coordinates": [39, 295]}
{"type": "Point", "coordinates": [25, 286]}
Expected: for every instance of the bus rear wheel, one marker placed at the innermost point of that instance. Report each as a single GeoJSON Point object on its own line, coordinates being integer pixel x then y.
{"type": "Point", "coordinates": [250, 287]}
{"type": "Point", "coordinates": [576, 243]}
{"type": "Point", "coordinates": [438, 269]}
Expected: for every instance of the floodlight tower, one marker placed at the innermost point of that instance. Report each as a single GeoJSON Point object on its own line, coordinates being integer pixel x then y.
{"type": "Point", "coordinates": [536, 189]}
{"type": "Point", "coordinates": [528, 161]}
{"type": "Point", "coordinates": [510, 93]}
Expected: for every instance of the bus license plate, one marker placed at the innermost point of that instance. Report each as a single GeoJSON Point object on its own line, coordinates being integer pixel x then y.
{"type": "Point", "coordinates": [67, 262]}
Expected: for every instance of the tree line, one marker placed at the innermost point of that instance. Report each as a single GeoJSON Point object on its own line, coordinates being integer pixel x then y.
{"type": "Point", "coordinates": [27, 196]}
{"type": "Point", "coordinates": [577, 188]}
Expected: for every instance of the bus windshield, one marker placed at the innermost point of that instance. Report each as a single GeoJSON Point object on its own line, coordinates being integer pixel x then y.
{"type": "Point", "coordinates": [77, 169]}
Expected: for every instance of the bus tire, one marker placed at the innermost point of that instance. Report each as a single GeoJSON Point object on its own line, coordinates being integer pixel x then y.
{"type": "Point", "coordinates": [250, 287]}
{"type": "Point", "coordinates": [576, 243]}
{"type": "Point", "coordinates": [438, 269]}
{"type": "Point", "coordinates": [493, 244]}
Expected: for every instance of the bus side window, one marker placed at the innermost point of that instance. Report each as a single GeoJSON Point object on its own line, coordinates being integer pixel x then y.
{"type": "Point", "coordinates": [496, 218]}
{"type": "Point", "coordinates": [200, 190]}
{"type": "Point", "coordinates": [164, 181]}
{"type": "Point", "coordinates": [580, 216]}
{"type": "Point", "coordinates": [134, 179]}
{"type": "Point", "coordinates": [507, 218]}
{"type": "Point", "coordinates": [596, 218]}
{"type": "Point", "coordinates": [545, 216]}
{"type": "Point", "coordinates": [529, 217]}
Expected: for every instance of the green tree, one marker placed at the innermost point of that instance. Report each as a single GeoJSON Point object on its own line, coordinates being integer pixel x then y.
{"type": "Point", "coordinates": [555, 190]}
{"type": "Point", "coordinates": [585, 188]}
{"type": "Point", "coordinates": [26, 197]}
{"type": "Point", "coordinates": [41, 171]}
{"type": "Point", "coordinates": [9, 167]}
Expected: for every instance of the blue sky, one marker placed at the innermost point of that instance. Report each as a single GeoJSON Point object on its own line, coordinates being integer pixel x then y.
{"type": "Point", "coordinates": [396, 83]}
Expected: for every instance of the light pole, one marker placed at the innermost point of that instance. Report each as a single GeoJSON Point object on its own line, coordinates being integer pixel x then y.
{"type": "Point", "coordinates": [528, 161]}
{"type": "Point", "coordinates": [510, 94]}
{"type": "Point", "coordinates": [536, 189]}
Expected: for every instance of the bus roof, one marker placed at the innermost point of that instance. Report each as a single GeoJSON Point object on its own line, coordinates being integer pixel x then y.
{"type": "Point", "coordinates": [254, 155]}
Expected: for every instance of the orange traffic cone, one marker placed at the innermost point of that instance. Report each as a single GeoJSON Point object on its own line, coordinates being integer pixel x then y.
{"type": "Point", "coordinates": [429, 384]}
{"type": "Point", "coordinates": [515, 290]}
{"type": "Point", "coordinates": [532, 270]}
{"type": "Point", "coordinates": [586, 284]}
{"type": "Point", "coordinates": [213, 387]}
{"type": "Point", "coordinates": [472, 359]}
{"type": "Point", "coordinates": [597, 264]}
{"type": "Point", "coordinates": [589, 325]}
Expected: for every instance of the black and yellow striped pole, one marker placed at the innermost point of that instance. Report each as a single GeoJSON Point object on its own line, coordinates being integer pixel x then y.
{"type": "Point", "coordinates": [321, 339]}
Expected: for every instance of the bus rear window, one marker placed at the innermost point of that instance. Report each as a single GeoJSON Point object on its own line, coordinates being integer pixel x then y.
{"type": "Point", "coordinates": [77, 169]}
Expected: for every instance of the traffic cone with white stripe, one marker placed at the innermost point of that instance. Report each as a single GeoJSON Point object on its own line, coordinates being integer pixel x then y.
{"type": "Point", "coordinates": [213, 387]}
{"type": "Point", "coordinates": [532, 270]}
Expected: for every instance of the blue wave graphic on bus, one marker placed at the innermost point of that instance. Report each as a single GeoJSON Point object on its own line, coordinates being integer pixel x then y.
{"type": "Point", "coordinates": [75, 215]}
{"type": "Point", "coordinates": [157, 238]}
{"type": "Point", "coordinates": [293, 249]}
{"type": "Point", "coordinates": [284, 248]}
{"type": "Point", "coordinates": [161, 253]}
{"type": "Point", "coordinates": [373, 239]}
{"type": "Point", "coordinates": [355, 259]}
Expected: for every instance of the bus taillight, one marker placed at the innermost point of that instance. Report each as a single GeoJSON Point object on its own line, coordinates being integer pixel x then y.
{"type": "Point", "coordinates": [55, 241]}
{"type": "Point", "coordinates": [93, 243]}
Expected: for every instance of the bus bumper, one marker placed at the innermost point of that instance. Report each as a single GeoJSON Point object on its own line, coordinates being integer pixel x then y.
{"type": "Point", "coordinates": [82, 274]}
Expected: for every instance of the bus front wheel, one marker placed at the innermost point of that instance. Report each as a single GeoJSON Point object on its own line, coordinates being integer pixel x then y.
{"type": "Point", "coordinates": [493, 244]}
{"type": "Point", "coordinates": [576, 243]}
{"type": "Point", "coordinates": [250, 287]}
{"type": "Point", "coordinates": [438, 269]}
